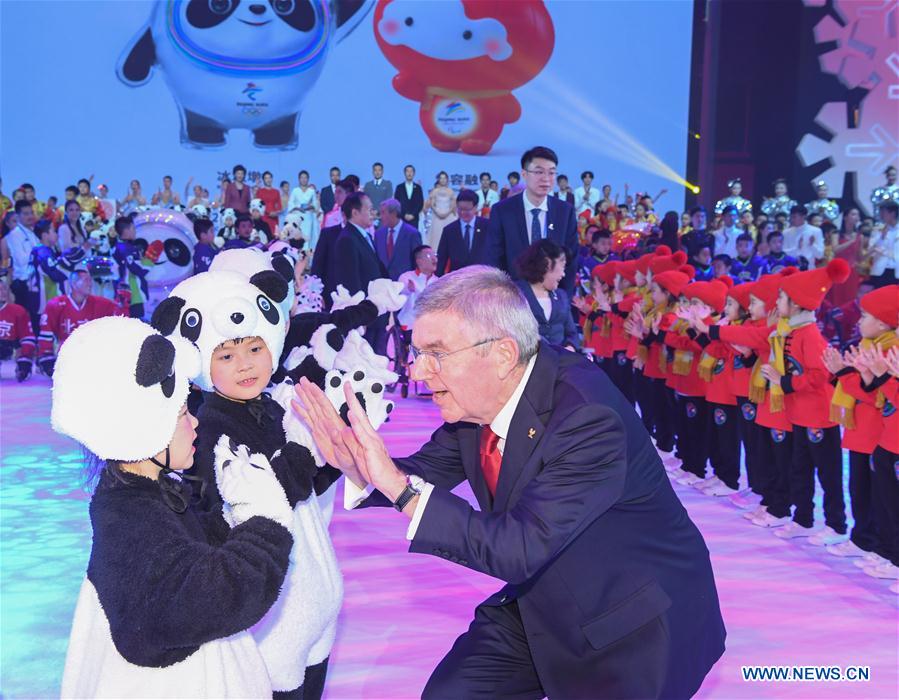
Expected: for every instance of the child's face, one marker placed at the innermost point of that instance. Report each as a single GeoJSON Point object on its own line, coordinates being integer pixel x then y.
{"type": "Point", "coordinates": [129, 233]}
{"type": "Point", "coordinates": [731, 309]}
{"type": "Point", "coordinates": [721, 268]}
{"type": "Point", "coordinates": [700, 309]}
{"type": "Point", "coordinates": [50, 238]}
{"type": "Point", "coordinates": [241, 370]}
{"type": "Point", "coordinates": [744, 248]}
{"type": "Point", "coordinates": [181, 448]}
{"type": "Point", "coordinates": [207, 236]}
{"type": "Point", "coordinates": [784, 305]}
{"type": "Point", "coordinates": [756, 308]}
{"type": "Point", "coordinates": [659, 295]}
{"type": "Point", "coordinates": [704, 256]}
{"type": "Point", "coordinates": [870, 326]}
{"type": "Point", "coordinates": [776, 244]}
{"type": "Point", "coordinates": [602, 246]}
{"type": "Point", "coordinates": [640, 279]}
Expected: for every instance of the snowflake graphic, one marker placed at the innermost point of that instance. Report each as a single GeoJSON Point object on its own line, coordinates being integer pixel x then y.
{"type": "Point", "coordinates": [865, 56]}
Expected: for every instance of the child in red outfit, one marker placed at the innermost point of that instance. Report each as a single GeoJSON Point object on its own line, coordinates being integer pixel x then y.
{"type": "Point", "coordinates": [800, 386]}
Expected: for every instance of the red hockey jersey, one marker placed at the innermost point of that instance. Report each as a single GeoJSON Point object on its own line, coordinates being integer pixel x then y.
{"type": "Point", "coordinates": [62, 316]}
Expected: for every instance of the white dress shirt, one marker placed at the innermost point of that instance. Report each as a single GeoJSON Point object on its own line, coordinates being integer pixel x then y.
{"type": "Point", "coordinates": [544, 209]}
{"type": "Point", "coordinates": [21, 242]}
{"type": "Point", "coordinates": [353, 495]}
{"type": "Point", "coordinates": [410, 186]}
{"type": "Point", "coordinates": [406, 315]}
{"type": "Point", "coordinates": [488, 201]}
{"type": "Point", "coordinates": [584, 198]}
{"type": "Point", "coordinates": [804, 241]}
{"type": "Point", "coordinates": [884, 245]}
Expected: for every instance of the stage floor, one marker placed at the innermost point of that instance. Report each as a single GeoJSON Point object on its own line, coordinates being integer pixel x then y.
{"type": "Point", "coordinates": [783, 603]}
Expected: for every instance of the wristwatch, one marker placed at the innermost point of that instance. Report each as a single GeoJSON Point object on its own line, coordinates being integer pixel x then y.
{"type": "Point", "coordinates": [413, 488]}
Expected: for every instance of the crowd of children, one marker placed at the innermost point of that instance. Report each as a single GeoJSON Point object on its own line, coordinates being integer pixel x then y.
{"type": "Point", "coordinates": [715, 366]}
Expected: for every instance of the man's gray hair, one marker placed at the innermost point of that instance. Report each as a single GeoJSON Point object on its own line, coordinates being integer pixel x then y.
{"type": "Point", "coordinates": [487, 300]}
{"type": "Point", "coordinates": [392, 205]}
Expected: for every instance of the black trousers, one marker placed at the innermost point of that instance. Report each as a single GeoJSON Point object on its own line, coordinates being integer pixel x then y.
{"type": "Point", "coordinates": [644, 397]}
{"type": "Point", "coordinates": [621, 372]}
{"type": "Point", "coordinates": [30, 301]}
{"type": "Point", "coordinates": [313, 685]}
{"type": "Point", "coordinates": [665, 410]}
{"type": "Point", "coordinates": [775, 464]}
{"type": "Point", "coordinates": [693, 433]}
{"type": "Point", "coordinates": [724, 452]}
{"type": "Point", "coordinates": [492, 661]}
{"type": "Point", "coordinates": [750, 439]}
{"type": "Point", "coordinates": [886, 483]}
{"type": "Point", "coordinates": [861, 499]}
{"type": "Point", "coordinates": [818, 448]}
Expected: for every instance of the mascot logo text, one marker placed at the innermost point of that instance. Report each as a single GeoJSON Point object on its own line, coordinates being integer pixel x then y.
{"type": "Point", "coordinates": [239, 64]}
{"type": "Point", "coordinates": [461, 59]}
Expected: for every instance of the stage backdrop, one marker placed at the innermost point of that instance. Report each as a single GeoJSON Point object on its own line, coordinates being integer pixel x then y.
{"type": "Point", "coordinates": [189, 88]}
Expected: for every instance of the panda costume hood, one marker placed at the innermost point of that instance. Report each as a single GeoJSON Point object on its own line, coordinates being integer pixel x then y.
{"type": "Point", "coordinates": [213, 307]}
{"type": "Point", "coordinates": [168, 597]}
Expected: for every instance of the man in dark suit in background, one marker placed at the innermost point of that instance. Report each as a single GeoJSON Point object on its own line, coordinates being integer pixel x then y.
{"type": "Point", "coordinates": [326, 198]}
{"type": "Point", "coordinates": [395, 240]}
{"type": "Point", "coordinates": [356, 263]}
{"type": "Point", "coordinates": [609, 589]}
{"type": "Point", "coordinates": [410, 197]}
{"type": "Point", "coordinates": [464, 241]}
{"type": "Point", "coordinates": [378, 189]}
{"type": "Point", "coordinates": [324, 257]}
{"type": "Point", "coordinates": [531, 215]}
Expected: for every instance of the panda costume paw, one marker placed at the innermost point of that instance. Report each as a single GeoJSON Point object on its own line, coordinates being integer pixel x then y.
{"type": "Point", "coordinates": [387, 295]}
{"type": "Point", "coordinates": [341, 298]}
{"type": "Point", "coordinates": [368, 390]}
{"type": "Point", "coordinates": [356, 353]}
{"type": "Point", "coordinates": [248, 486]}
{"type": "Point", "coordinates": [295, 429]}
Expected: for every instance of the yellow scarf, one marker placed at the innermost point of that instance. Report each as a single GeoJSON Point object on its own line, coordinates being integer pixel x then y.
{"type": "Point", "coordinates": [778, 342]}
{"type": "Point", "coordinates": [683, 359]}
{"type": "Point", "coordinates": [707, 362]}
{"type": "Point", "coordinates": [842, 407]}
{"type": "Point", "coordinates": [588, 324]}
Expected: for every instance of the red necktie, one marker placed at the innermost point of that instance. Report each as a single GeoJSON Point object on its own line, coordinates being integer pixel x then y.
{"type": "Point", "coordinates": [389, 243]}
{"type": "Point", "coordinates": [491, 459]}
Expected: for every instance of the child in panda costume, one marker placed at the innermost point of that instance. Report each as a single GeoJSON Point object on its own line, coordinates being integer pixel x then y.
{"type": "Point", "coordinates": [170, 590]}
{"type": "Point", "coordinates": [238, 324]}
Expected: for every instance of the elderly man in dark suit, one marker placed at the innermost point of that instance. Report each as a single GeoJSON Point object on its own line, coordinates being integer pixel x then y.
{"type": "Point", "coordinates": [395, 240]}
{"type": "Point", "coordinates": [609, 589]}
{"type": "Point", "coordinates": [531, 215]}
{"type": "Point", "coordinates": [464, 241]}
{"type": "Point", "coordinates": [410, 196]}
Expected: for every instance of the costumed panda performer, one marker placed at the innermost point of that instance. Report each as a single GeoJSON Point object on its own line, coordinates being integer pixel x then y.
{"type": "Point", "coordinates": [170, 590]}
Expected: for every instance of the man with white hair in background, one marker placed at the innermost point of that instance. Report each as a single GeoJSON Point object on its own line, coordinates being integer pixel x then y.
{"type": "Point", "coordinates": [609, 589]}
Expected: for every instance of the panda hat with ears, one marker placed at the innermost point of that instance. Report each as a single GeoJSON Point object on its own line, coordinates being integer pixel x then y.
{"type": "Point", "coordinates": [132, 413]}
{"type": "Point", "coordinates": [213, 307]}
{"type": "Point", "coordinates": [250, 261]}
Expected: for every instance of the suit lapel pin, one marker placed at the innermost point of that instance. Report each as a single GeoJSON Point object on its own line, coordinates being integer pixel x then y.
{"type": "Point", "coordinates": [531, 433]}
{"type": "Point", "coordinates": [551, 226]}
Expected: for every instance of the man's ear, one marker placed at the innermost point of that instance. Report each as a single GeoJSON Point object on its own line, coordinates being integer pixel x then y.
{"type": "Point", "coordinates": [508, 352]}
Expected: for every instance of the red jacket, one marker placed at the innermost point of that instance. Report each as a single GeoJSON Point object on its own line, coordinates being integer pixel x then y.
{"type": "Point", "coordinates": [655, 347]}
{"type": "Point", "coordinates": [719, 388]}
{"type": "Point", "coordinates": [15, 329]}
{"type": "Point", "coordinates": [62, 316]}
{"type": "Point", "coordinates": [689, 384]}
{"type": "Point", "coordinates": [806, 384]}
{"type": "Point", "coordinates": [889, 436]}
{"type": "Point", "coordinates": [868, 420]}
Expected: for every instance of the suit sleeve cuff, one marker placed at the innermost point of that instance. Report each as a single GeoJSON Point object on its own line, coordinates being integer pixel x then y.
{"type": "Point", "coordinates": [419, 511]}
{"type": "Point", "coordinates": [353, 496]}
{"type": "Point", "coordinates": [714, 332]}
{"type": "Point", "coordinates": [660, 336]}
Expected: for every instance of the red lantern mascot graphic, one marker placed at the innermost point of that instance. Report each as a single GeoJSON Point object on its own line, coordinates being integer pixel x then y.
{"type": "Point", "coordinates": [461, 59]}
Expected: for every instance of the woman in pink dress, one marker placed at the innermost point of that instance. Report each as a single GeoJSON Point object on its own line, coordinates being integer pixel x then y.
{"type": "Point", "coordinates": [846, 244]}
{"type": "Point", "coordinates": [271, 198]}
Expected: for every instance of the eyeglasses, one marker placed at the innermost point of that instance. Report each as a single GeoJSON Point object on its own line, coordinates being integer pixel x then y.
{"type": "Point", "coordinates": [540, 172]}
{"type": "Point", "coordinates": [431, 361]}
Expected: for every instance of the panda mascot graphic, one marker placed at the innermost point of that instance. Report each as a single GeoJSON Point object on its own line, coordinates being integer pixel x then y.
{"type": "Point", "coordinates": [239, 64]}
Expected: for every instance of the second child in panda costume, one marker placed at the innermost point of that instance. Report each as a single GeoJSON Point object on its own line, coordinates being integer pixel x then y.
{"type": "Point", "coordinates": [238, 325]}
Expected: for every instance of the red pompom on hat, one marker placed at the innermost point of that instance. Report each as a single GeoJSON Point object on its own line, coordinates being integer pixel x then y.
{"type": "Point", "coordinates": [605, 272]}
{"type": "Point", "coordinates": [767, 286]}
{"type": "Point", "coordinates": [883, 304]}
{"type": "Point", "coordinates": [628, 270]}
{"type": "Point", "coordinates": [807, 289]}
{"type": "Point", "coordinates": [674, 281]}
{"type": "Point", "coordinates": [663, 263]}
{"type": "Point", "coordinates": [662, 250]}
{"type": "Point", "coordinates": [643, 262]}
{"type": "Point", "coordinates": [712, 293]}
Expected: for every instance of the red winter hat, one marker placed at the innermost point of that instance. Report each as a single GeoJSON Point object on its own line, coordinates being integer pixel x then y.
{"type": "Point", "coordinates": [662, 263]}
{"type": "Point", "coordinates": [628, 270]}
{"type": "Point", "coordinates": [712, 293]}
{"type": "Point", "coordinates": [674, 281]}
{"type": "Point", "coordinates": [767, 286]}
{"type": "Point", "coordinates": [629, 302]}
{"type": "Point", "coordinates": [807, 289]}
{"type": "Point", "coordinates": [605, 272]}
{"type": "Point", "coordinates": [644, 261]}
{"type": "Point", "coordinates": [883, 304]}
{"type": "Point", "coordinates": [740, 293]}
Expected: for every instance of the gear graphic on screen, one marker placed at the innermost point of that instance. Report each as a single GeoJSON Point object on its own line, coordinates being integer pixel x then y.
{"type": "Point", "coordinates": [866, 57]}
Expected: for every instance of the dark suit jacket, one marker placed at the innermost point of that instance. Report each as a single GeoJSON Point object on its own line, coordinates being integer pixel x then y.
{"type": "Point", "coordinates": [405, 240]}
{"type": "Point", "coordinates": [410, 206]}
{"type": "Point", "coordinates": [585, 528]}
{"type": "Point", "coordinates": [559, 328]}
{"type": "Point", "coordinates": [378, 193]}
{"type": "Point", "coordinates": [355, 263]}
{"type": "Point", "coordinates": [326, 198]}
{"type": "Point", "coordinates": [510, 233]}
{"type": "Point", "coordinates": [452, 254]}
{"type": "Point", "coordinates": [323, 261]}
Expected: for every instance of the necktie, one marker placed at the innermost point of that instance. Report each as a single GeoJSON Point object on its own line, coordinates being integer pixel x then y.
{"type": "Point", "coordinates": [389, 243]}
{"type": "Point", "coordinates": [536, 231]}
{"type": "Point", "coordinates": [491, 459]}
{"type": "Point", "coordinates": [468, 237]}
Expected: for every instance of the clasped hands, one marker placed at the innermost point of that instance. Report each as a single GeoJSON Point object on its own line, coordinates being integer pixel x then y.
{"type": "Point", "coordinates": [356, 450]}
